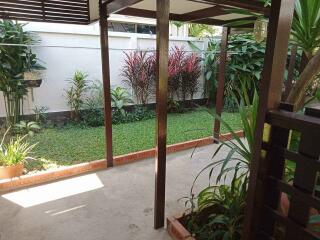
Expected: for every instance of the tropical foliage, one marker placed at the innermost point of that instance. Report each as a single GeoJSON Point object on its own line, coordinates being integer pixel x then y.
{"type": "Point", "coordinates": [16, 58]}
{"type": "Point", "coordinates": [138, 73]}
{"type": "Point", "coordinates": [175, 69]}
{"type": "Point", "coordinates": [184, 70]}
{"type": "Point", "coordinates": [75, 94]}
{"type": "Point", "coordinates": [218, 210]}
{"type": "Point", "coordinates": [184, 73]}
{"type": "Point", "coordinates": [190, 75]}
{"type": "Point", "coordinates": [306, 34]}
{"type": "Point", "coordinates": [200, 30]}
{"type": "Point", "coordinates": [15, 152]}
{"type": "Point", "coordinates": [27, 128]}
{"type": "Point", "coordinates": [92, 114]}
{"type": "Point", "coordinates": [119, 98]}
{"type": "Point", "coordinates": [245, 63]}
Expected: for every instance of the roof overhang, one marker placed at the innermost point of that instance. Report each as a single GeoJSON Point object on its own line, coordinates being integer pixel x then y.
{"type": "Point", "coordinates": [213, 12]}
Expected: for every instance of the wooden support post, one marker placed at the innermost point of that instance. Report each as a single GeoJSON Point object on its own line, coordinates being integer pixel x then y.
{"type": "Point", "coordinates": [292, 66]}
{"type": "Point", "coordinates": [280, 22]}
{"type": "Point", "coordinates": [304, 62]}
{"type": "Point", "coordinates": [106, 82]}
{"type": "Point", "coordinates": [163, 9]}
{"type": "Point", "coordinates": [221, 80]}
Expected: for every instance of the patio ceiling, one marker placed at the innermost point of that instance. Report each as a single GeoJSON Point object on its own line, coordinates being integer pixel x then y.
{"type": "Point", "coordinates": [213, 12]}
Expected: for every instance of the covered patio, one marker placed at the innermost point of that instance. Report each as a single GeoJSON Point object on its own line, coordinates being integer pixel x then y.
{"type": "Point", "coordinates": [119, 205]}
{"type": "Point", "coordinates": [111, 204]}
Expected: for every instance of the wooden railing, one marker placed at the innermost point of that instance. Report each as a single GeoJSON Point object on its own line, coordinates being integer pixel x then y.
{"type": "Point", "coordinates": [294, 224]}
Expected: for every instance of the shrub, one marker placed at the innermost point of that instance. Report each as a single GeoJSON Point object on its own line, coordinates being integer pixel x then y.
{"type": "Point", "coordinates": [190, 75]}
{"type": "Point", "coordinates": [138, 113]}
{"type": "Point", "coordinates": [92, 113]}
{"type": "Point", "coordinates": [184, 72]}
{"type": "Point", "coordinates": [176, 63]}
{"type": "Point", "coordinates": [26, 128]}
{"type": "Point", "coordinates": [138, 73]}
{"type": "Point", "coordinates": [75, 94]}
{"type": "Point", "coordinates": [40, 114]}
{"type": "Point", "coordinates": [119, 98]}
{"type": "Point", "coordinates": [92, 116]}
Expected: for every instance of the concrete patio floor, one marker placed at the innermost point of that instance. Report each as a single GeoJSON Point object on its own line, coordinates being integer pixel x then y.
{"type": "Point", "coordinates": [112, 204]}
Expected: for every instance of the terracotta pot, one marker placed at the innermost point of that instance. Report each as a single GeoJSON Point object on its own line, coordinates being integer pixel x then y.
{"type": "Point", "coordinates": [11, 171]}
{"type": "Point", "coordinates": [33, 83]}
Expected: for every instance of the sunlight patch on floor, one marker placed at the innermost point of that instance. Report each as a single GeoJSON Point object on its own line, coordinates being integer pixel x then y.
{"type": "Point", "coordinates": [54, 191]}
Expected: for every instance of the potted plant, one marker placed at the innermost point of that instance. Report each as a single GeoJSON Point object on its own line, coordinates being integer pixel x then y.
{"type": "Point", "coordinates": [218, 210]}
{"type": "Point", "coordinates": [12, 156]}
{"type": "Point", "coordinates": [32, 79]}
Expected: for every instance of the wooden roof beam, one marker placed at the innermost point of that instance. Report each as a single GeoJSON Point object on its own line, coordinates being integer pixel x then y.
{"type": "Point", "coordinates": [114, 6]}
{"type": "Point", "coordinates": [203, 14]}
{"type": "Point", "coordinates": [254, 6]}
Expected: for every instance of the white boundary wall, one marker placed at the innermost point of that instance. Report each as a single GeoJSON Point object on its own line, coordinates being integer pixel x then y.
{"type": "Point", "coordinates": [67, 48]}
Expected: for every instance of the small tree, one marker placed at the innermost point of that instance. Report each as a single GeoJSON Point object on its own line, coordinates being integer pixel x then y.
{"type": "Point", "coordinates": [14, 62]}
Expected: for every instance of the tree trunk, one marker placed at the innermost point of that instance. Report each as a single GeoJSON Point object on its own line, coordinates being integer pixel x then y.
{"type": "Point", "coordinates": [311, 70]}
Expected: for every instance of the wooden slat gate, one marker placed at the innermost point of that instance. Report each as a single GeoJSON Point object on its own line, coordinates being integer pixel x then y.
{"type": "Point", "coordinates": [301, 191]}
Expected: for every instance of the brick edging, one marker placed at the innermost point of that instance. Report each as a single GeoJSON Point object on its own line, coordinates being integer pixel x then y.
{"type": "Point", "coordinates": [176, 230]}
{"type": "Point", "coordinates": [65, 172]}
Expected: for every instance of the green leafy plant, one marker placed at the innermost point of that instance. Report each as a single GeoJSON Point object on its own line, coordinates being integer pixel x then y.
{"type": "Point", "coordinates": [244, 64]}
{"type": "Point", "coordinates": [78, 86]}
{"type": "Point", "coordinates": [200, 30]}
{"type": "Point", "coordinates": [174, 106]}
{"type": "Point", "coordinates": [218, 211]}
{"type": "Point", "coordinates": [15, 152]}
{"type": "Point", "coordinates": [27, 128]}
{"type": "Point", "coordinates": [16, 58]}
{"type": "Point", "coordinates": [240, 149]}
{"type": "Point", "coordinates": [40, 114]}
{"type": "Point", "coordinates": [92, 113]}
{"type": "Point", "coordinates": [138, 113]}
{"type": "Point", "coordinates": [119, 98]}
{"type": "Point", "coordinates": [305, 33]}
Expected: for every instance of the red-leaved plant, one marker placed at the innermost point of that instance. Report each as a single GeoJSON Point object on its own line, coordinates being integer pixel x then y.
{"type": "Point", "coordinates": [184, 71]}
{"type": "Point", "coordinates": [190, 75]}
{"type": "Point", "coordinates": [139, 73]}
{"type": "Point", "coordinates": [176, 66]}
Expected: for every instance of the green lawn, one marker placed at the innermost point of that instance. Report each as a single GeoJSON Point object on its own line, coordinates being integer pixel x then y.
{"type": "Point", "coordinates": [72, 145]}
